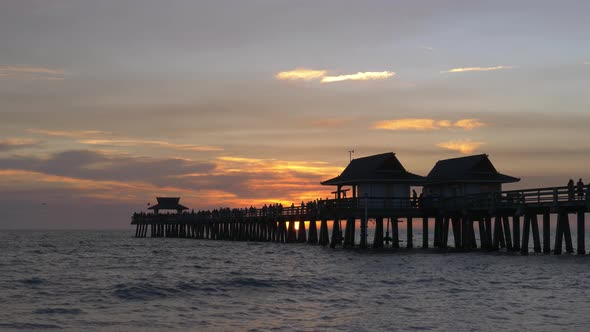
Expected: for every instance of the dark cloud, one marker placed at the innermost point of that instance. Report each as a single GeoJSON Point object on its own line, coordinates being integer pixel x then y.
{"type": "Point", "coordinates": [92, 165]}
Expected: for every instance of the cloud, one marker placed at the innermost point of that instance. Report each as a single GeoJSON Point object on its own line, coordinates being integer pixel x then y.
{"type": "Point", "coordinates": [68, 133]}
{"type": "Point", "coordinates": [461, 70]}
{"type": "Point", "coordinates": [426, 124]}
{"type": "Point", "coordinates": [301, 74]}
{"type": "Point", "coordinates": [587, 63]}
{"type": "Point", "coordinates": [360, 76]}
{"type": "Point", "coordinates": [407, 124]}
{"type": "Point", "coordinates": [254, 165]}
{"type": "Point", "coordinates": [330, 123]}
{"type": "Point", "coordinates": [429, 48]}
{"type": "Point", "coordinates": [304, 74]}
{"type": "Point", "coordinates": [17, 143]}
{"type": "Point", "coordinates": [32, 73]}
{"type": "Point", "coordinates": [139, 142]}
{"type": "Point", "coordinates": [98, 138]}
{"type": "Point", "coordinates": [93, 165]}
{"type": "Point", "coordinates": [463, 146]}
{"type": "Point", "coordinates": [468, 124]}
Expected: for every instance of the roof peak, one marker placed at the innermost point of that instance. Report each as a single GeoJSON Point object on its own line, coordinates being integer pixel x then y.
{"type": "Point", "coordinates": [375, 155]}
{"type": "Point", "coordinates": [383, 167]}
{"type": "Point", "coordinates": [466, 157]}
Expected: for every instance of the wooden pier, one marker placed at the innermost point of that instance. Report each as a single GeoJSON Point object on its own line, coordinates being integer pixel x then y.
{"type": "Point", "coordinates": [507, 220]}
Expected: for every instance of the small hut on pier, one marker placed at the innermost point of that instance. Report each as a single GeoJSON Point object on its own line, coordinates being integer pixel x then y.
{"type": "Point", "coordinates": [465, 176]}
{"type": "Point", "coordinates": [168, 203]}
{"type": "Point", "coordinates": [377, 176]}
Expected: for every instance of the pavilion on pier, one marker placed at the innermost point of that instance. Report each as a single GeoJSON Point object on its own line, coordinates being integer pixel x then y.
{"type": "Point", "coordinates": [377, 176]}
{"type": "Point", "coordinates": [465, 176]}
{"type": "Point", "coordinates": [168, 203]}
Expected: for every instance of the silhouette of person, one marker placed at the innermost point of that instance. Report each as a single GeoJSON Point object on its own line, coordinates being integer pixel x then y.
{"type": "Point", "coordinates": [414, 198]}
{"type": "Point", "coordinates": [420, 200]}
{"type": "Point", "coordinates": [570, 190]}
{"type": "Point", "coordinates": [580, 188]}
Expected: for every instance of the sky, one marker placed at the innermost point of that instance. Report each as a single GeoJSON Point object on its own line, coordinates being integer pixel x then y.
{"type": "Point", "coordinates": [106, 104]}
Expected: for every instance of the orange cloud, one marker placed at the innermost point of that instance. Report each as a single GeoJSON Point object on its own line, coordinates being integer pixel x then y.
{"type": "Point", "coordinates": [32, 73]}
{"type": "Point", "coordinates": [426, 124]}
{"type": "Point", "coordinates": [464, 146]}
{"type": "Point", "coordinates": [466, 69]}
{"type": "Point", "coordinates": [407, 124]}
{"type": "Point", "coordinates": [360, 76]}
{"type": "Point", "coordinates": [301, 74]}
{"type": "Point", "coordinates": [468, 124]}
{"type": "Point", "coordinates": [253, 165]}
{"type": "Point", "coordinates": [17, 143]}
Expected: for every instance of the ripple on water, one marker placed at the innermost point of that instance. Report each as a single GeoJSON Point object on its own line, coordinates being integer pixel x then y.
{"type": "Point", "coordinates": [192, 285]}
{"type": "Point", "coordinates": [34, 281]}
{"type": "Point", "coordinates": [143, 291]}
{"type": "Point", "coordinates": [58, 311]}
{"type": "Point", "coordinates": [29, 326]}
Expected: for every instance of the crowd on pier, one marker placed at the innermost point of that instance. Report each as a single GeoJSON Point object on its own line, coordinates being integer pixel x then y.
{"type": "Point", "coordinates": [270, 210]}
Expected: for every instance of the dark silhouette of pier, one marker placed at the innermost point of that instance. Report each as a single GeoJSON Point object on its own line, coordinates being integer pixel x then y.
{"type": "Point", "coordinates": [460, 193]}
{"type": "Point", "coordinates": [505, 220]}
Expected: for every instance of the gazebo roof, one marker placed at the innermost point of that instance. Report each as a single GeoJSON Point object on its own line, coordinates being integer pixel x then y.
{"type": "Point", "coordinates": [383, 167]}
{"type": "Point", "coordinates": [477, 168]}
{"type": "Point", "coordinates": [168, 203]}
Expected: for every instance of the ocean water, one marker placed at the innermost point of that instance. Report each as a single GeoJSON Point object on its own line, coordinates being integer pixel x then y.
{"type": "Point", "coordinates": [103, 280]}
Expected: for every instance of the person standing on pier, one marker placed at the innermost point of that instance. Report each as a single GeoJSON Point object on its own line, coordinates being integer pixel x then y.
{"type": "Point", "coordinates": [570, 190]}
{"type": "Point", "coordinates": [414, 198]}
{"type": "Point", "coordinates": [580, 188]}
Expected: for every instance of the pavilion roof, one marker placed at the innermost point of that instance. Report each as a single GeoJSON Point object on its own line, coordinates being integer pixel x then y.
{"type": "Point", "coordinates": [383, 167]}
{"type": "Point", "coordinates": [168, 203]}
{"type": "Point", "coordinates": [476, 168]}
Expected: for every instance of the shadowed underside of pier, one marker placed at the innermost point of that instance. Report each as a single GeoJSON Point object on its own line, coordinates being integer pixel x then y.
{"type": "Point", "coordinates": [504, 220]}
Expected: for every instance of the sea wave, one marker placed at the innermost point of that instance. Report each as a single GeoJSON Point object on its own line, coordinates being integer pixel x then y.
{"type": "Point", "coordinates": [59, 311]}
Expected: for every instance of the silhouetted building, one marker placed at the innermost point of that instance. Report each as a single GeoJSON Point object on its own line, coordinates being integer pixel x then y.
{"type": "Point", "coordinates": [380, 175]}
{"type": "Point", "coordinates": [465, 176]}
{"type": "Point", "coordinates": [168, 203]}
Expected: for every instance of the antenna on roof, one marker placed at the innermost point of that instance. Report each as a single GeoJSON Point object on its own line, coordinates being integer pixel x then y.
{"type": "Point", "coordinates": [350, 152]}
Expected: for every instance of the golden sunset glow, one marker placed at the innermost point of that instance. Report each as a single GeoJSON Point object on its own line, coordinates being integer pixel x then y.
{"type": "Point", "coordinates": [360, 76]}
{"type": "Point", "coordinates": [301, 74]}
{"type": "Point", "coordinates": [253, 165]}
{"type": "Point", "coordinates": [466, 69]}
{"type": "Point", "coordinates": [465, 146]}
